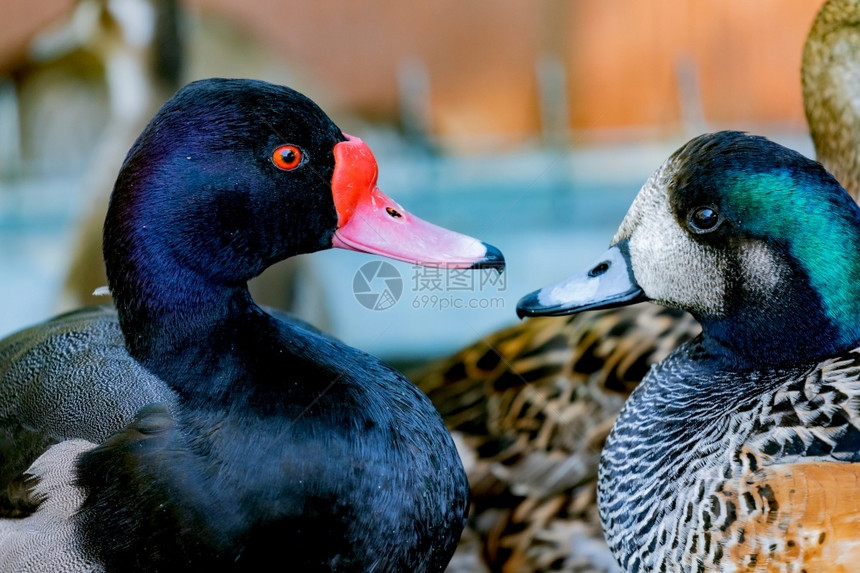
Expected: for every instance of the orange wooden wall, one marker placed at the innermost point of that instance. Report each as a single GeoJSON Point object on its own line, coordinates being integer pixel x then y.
{"type": "Point", "coordinates": [621, 57]}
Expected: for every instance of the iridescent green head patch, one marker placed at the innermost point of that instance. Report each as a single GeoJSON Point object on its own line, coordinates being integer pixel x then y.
{"type": "Point", "coordinates": [769, 192]}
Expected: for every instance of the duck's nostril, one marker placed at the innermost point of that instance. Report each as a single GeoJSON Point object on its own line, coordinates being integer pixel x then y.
{"type": "Point", "coordinates": [599, 269]}
{"type": "Point", "coordinates": [393, 212]}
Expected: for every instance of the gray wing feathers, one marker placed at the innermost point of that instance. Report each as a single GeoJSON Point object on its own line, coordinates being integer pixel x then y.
{"type": "Point", "coordinates": [71, 377]}
{"type": "Point", "coordinates": [44, 542]}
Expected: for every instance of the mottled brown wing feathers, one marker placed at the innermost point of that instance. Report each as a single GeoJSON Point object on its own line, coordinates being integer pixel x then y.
{"type": "Point", "coordinates": [533, 404]}
{"type": "Point", "coordinates": [796, 517]}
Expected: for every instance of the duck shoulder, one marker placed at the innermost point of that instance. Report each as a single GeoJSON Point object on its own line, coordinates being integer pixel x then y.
{"type": "Point", "coordinates": [48, 371]}
{"type": "Point", "coordinates": [770, 486]}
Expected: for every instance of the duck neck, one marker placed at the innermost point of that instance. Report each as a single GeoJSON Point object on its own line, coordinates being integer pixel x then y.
{"type": "Point", "coordinates": [176, 316]}
{"type": "Point", "coordinates": [801, 314]}
{"type": "Point", "coordinates": [790, 329]}
{"type": "Point", "coordinates": [164, 317]}
{"type": "Point", "coordinates": [191, 329]}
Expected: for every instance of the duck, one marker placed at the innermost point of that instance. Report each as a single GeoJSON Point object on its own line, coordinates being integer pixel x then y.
{"type": "Point", "coordinates": [188, 426]}
{"type": "Point", "coordinates": [739, 451]}
{"type": "Point", "coordinates": [531, 405]}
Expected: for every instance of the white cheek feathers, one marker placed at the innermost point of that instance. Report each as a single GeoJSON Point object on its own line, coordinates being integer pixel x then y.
{"type": "Point", "coordinates": [671, 267]}
{"type": "Point", "coordinates": [674, 270]}
{"type": "Point", "coordinates": [762, 271]}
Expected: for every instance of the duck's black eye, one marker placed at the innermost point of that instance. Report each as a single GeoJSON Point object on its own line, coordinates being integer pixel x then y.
{"type": "Point", "coordinates": [704, 219]}
{"type": "Point", "coordinates": [287, 157]}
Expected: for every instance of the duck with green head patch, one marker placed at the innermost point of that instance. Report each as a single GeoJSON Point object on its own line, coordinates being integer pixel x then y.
{"type": "Point", "coordinates": [741, 451]}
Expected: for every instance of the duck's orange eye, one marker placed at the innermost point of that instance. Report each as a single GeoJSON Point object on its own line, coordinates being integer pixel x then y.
{"type": "Point", "coordinates": [287, 157]}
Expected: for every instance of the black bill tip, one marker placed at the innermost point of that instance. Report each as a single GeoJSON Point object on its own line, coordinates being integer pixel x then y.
{"type": "Point", "coordinates": [493, 259]}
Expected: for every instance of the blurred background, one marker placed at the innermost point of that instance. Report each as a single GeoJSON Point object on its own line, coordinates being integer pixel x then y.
{"type": "Point", "coordinates": [530, 124]}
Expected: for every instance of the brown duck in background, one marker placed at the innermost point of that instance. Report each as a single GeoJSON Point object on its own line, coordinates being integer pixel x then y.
{"type": "Point", "coordinates": [830, 76]}
{"type": "Point", "coordinates": [531, 405]}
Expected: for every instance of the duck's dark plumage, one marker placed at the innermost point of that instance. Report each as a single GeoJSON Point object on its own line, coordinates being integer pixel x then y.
{"type": "Point", "coordinates": [230, 437]}
{"type": "Point", "coordinates": [318, 475]}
